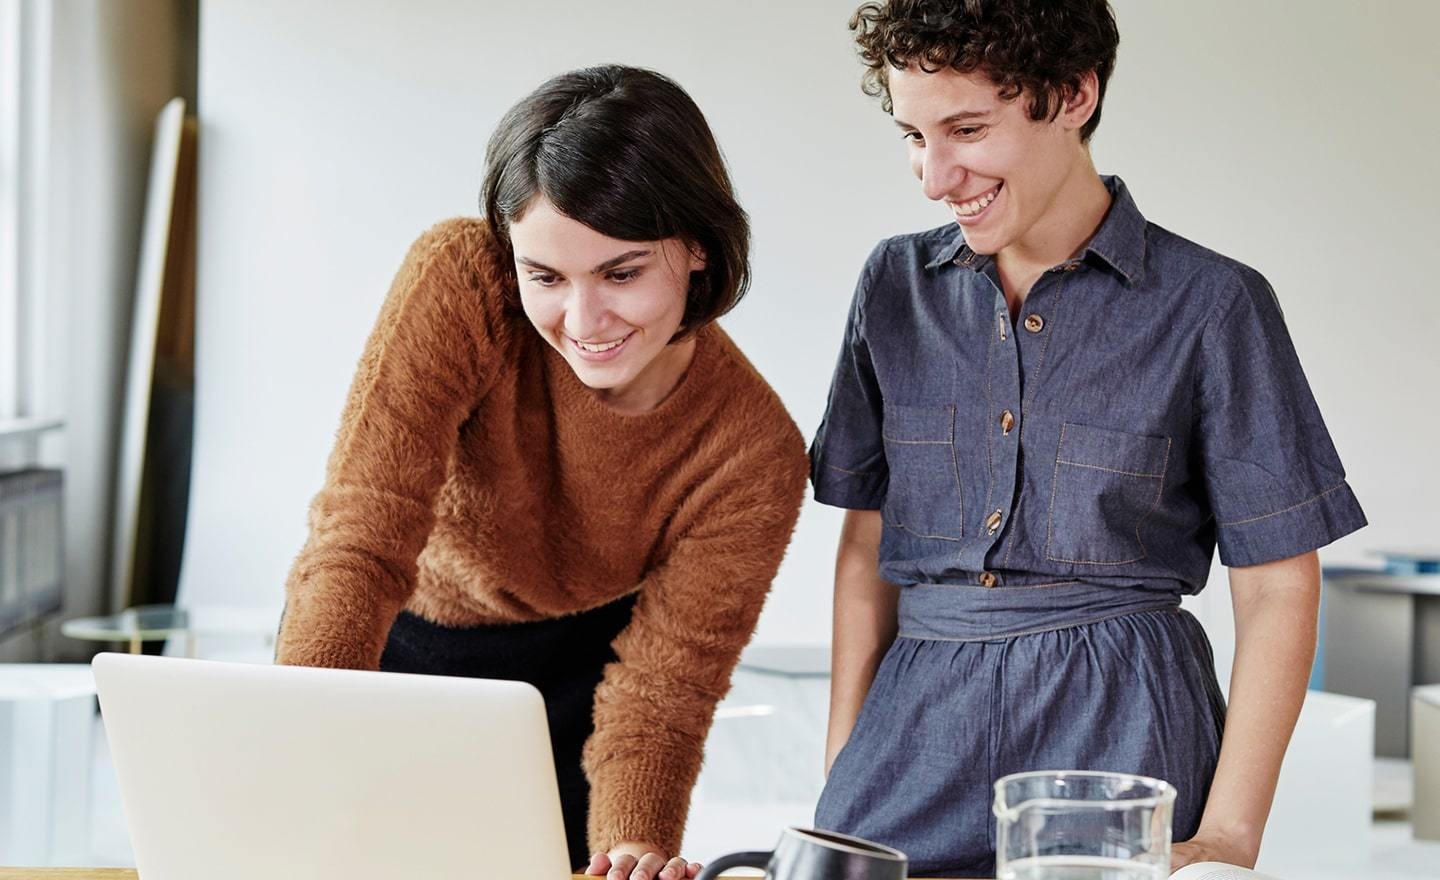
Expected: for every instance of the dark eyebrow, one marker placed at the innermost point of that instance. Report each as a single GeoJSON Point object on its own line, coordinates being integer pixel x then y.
{"type": "Point", "coordinates": [534, 265]}
{"type": "Point", "coordinates": [623, 258]}
{"type": "Point", "coordinates": [962, 116]}
{"type": "Point", "coordinates": [603, 267]}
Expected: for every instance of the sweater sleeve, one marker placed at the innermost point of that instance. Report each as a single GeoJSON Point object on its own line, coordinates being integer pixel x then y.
{"type": "Point", "coordinates": [694, 614]}
{"type": "Point", "coordinates": [422, 372]}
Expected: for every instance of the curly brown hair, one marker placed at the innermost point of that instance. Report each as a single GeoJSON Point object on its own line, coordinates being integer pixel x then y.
{"type": "Point", "coordinates": [1037, 47]}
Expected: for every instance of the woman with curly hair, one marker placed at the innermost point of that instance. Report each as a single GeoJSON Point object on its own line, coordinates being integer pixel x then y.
{"type": "Point", "coordinates": [1044, 418]}
{"type": "Point", "coordinates": [555, 467]}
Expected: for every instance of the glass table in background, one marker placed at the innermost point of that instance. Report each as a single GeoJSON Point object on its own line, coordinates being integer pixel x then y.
{"type": "Point", "coordinates": [134, 627]}
{"type": "Point", "coordinates": [153, 623]}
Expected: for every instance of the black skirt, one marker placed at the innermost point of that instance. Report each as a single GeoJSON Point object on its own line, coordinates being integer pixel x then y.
{"type": "Point", "coordinates": [564, 658]}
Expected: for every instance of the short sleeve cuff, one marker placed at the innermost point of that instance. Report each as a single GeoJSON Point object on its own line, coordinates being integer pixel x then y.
{"type": "Point", "coordinates": [1309, 525]}
{"type": "Point", "coordinates": [841, 487]}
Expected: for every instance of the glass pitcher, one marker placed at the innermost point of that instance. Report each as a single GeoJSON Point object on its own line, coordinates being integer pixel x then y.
{"type": "Point", "coordinates": [1080, 825]}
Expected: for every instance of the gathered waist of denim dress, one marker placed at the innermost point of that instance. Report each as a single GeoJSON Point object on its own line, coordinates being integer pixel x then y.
{"type": "Point", "coordinates": [964, 613]}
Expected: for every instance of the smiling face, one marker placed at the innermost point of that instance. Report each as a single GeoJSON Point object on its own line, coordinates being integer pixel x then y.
{"type": "Point", "coordinates": [1007, 180]}
{"type": "Point", "coordinates": [609, 306]}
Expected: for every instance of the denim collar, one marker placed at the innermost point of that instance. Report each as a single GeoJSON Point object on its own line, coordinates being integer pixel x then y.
{"type": "Point", "coordinates": [1119, 242]}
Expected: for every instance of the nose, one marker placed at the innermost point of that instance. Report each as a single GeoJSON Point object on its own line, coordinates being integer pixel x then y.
{"type": "Point", "coordinates": [938, 172]}
{"type": "Point", "coordinates": [586, 314]}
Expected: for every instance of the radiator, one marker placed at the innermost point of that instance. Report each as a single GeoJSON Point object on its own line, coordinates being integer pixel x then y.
{"type": "Point", "coordinates": [31, 546]}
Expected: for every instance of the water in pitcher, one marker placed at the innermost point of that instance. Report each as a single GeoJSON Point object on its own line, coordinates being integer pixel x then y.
{"type": "Point", "coordinates": [1080, 868]}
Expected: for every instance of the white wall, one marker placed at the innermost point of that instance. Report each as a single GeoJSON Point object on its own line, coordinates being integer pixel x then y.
{"type": "Point", "coordinates": [1297, 138]}
{"type": "Point", "coordinates": [1292, 136]}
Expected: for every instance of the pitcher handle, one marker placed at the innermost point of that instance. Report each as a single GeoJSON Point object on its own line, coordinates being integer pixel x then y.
{"type": "Point", "coordinates": [735, 860]}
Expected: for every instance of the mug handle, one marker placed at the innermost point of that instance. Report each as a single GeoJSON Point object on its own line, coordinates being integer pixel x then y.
{"type": "Point", "coordinates": [735, 860]}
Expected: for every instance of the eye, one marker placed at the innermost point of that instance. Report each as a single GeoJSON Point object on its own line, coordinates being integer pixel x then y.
{"type": "Point", "coordinates": [544, 279]}
{"type": "Point", "coordinates": [913, 137]}
{"type": "Point", "coordinates": [970, 131]}
{"type": "Point", "coordinates": [623, 276]}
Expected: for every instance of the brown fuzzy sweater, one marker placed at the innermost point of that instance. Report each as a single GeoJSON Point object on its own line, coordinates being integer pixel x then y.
{"type": "Point", "coordinates": [475, 480]}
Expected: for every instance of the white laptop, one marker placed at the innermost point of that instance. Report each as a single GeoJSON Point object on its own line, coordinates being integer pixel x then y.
{"type": "Point", "coordinates": [240, 771]}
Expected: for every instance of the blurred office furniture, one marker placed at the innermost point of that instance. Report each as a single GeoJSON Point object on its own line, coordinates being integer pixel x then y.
{"type": "Point", "coordinates": [132, 627]}
{"type": "Point", "coordinates": [1322, 807]}
{"type": "Point", "coordinates": [31, 526]}
{"type": "Point", "coordinates": [234, 633]}
{"type": "Point", "coordinates": [1382, 637]}
{"type": "Point", "coordinates": [47, 720]}
{"type": "Point", "coordinates": [1425, 741]}
{"type": "Point", "coordinates": [241, 633]}
{"type": "Point", "coordinates": [152, 475]}
{"type": "Point", "coordinates": [764, 758]}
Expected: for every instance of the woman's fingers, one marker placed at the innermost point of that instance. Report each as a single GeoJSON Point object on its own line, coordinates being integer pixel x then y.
{"type": "Point", "coordinates": [621, 866]}
{"type": "Point", "coordinates": [673, 870]}
{"type": "Point", "coordinates": [649, 866]}
{"type": "Point", "coordinates": [692, 870]}
{"type": "Point", "coordinates": [599, 864]}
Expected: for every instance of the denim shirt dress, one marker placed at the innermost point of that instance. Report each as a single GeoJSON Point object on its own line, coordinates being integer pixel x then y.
{"type": "Point", "coordinates": [1050, 487]}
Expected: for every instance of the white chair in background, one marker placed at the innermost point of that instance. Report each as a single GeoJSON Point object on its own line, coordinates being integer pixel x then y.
{"type": "Point", "coordinates": [1425, 750]}
{"type": "Point", "coordinates": [765, 754]}
{"type": "Point", "coordinates": [234, 633]}
{"type": "Point", "coordinates": [1322, 808]}
{"type": "Point", "coordinates": [47, 722]}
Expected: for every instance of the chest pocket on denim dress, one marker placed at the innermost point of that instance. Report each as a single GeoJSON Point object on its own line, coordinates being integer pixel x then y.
{"type": "Point", "coordinates": [924, 495]}
{"type": "Point", "coordinates": [1106, 483]}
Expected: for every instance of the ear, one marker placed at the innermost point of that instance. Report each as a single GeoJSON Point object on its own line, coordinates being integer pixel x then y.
{"type": "Point", "coordinates": [1080, 104]}
{"type": "Point", "coordinates": [697, 256]}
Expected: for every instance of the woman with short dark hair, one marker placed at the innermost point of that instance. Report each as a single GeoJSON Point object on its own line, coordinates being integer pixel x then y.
{"type": "Point", "coordinates": [555, 467]}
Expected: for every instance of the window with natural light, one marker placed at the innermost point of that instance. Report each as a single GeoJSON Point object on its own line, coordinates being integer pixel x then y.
{"type": "Point", "coordinates": [10, 94]}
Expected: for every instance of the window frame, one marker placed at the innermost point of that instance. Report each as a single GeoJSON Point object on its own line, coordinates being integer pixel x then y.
{"type": "Point", "coordinates": [25, 27]}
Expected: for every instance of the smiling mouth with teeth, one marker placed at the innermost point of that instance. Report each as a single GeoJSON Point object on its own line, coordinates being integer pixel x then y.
{"type": "Point", "coordinates": [975, 206]}
{"type": "Point", "coordinates": [598, 347]}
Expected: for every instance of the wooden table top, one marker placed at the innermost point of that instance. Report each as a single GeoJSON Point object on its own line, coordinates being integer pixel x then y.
{"type": "Point", "coordinates": [99, 874]}
{"type": "Point", "coordinates": [118, 874]}
{"type": "Point", "coordinates": [85, 874]}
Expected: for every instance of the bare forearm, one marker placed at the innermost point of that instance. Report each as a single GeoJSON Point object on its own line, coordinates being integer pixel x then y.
{"type": "Point", "coordinates": [864, 631]}
{"type": "Point", "coordinates": [1275, 623]}
{"type": "Point", "coordinates": [864, 625]}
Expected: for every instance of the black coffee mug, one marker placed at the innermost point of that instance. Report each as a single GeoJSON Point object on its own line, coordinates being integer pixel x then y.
{"type": "Point", "coordinates": [805, 854]}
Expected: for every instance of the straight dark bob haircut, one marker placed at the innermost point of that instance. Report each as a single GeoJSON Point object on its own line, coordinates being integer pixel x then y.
{"type": "Point", "coordinates": [626, 152]}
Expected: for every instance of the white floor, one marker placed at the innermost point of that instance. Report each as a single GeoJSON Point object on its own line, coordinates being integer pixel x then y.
{"type": "Point", "coordinates": [741, 803]}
